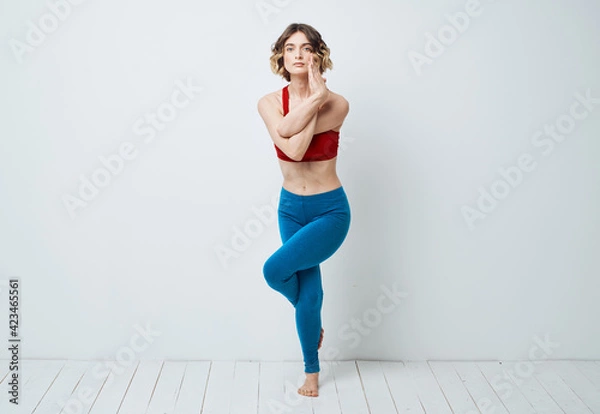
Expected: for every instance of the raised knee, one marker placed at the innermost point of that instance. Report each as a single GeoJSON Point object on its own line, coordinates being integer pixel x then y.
{"type": "Point", "coordinates": [271, 273]}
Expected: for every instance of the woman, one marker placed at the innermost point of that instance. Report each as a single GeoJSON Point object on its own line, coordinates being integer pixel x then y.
{"type": "Point", "coordinates": [304, 120]}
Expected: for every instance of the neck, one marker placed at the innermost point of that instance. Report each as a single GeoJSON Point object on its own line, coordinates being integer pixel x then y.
{"type": "Point", "coordinates": [298, 87]}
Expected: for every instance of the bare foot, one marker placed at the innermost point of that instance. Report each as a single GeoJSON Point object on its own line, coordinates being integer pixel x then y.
{"type": "Point", "coordinates": [321, 339]}
{"type": "Point", "coordinates": [311, 386]}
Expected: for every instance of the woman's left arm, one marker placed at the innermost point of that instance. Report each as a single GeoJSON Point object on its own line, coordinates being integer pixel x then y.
{"type": "Point", "coordinates": [333, 114]}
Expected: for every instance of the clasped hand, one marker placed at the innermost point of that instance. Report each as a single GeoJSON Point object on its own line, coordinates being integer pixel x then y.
{"type": "Point", "coordinates": [316, 82]}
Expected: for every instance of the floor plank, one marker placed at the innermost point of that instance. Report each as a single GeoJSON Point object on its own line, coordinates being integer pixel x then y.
{"type": "Point", "coordinates": [428, 390]}
{"type": "Point", "coordinates": [531, 389]}
{"type": "Point", "coordinates": [113, 390]}
{"type": "Point", "coordinates": [350, 391]}
{"type": "Point", "coordinates": [271, 388]}
{"type": "Point", "coordinates": [167, 389]}
{"type": "Point", "coordinates": [218, 391]}
{"type": "Point", "coordinates": [482, 393]}
{"type": "Point", "coordinates": [245, 388]}
{"type": "Point", "coordinates": [578, 383]}
{"type": "Point", "coordinates": [86, 391]}
{"type": "Point", "coordinates": [402, 388]}
{"type": "Point", "coordinates": [590, 370]}
{"type": "Point", "coordinates": [508, 392]}
{"type": "Point", "coordinates": [4, 370]}
{"type": "Point", "coordinates": [193, 387]}
{"type": "Point", "coordinates": [375, 387]}
{"type": "Point", "coordinates": [141, 387]}
{"type": "Point", "coordinates": [453, 388]}
{"type": "Point", "coordinates": [62, 387]}
{"type": "Point", "coordinates": [39, 375]}
{"type": "Point", "coordinates": [560, 392]}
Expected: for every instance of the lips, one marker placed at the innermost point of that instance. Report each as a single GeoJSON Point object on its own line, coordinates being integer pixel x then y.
{"type": "Point", "coordinates": [298, 64]}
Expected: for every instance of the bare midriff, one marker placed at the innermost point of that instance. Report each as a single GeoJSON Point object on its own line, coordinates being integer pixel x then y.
{"type": "Point", "coordinates": [312, 177]}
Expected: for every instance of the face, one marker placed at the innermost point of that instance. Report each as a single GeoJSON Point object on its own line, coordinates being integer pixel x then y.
{"type": "Point", "coordinates": [296, 52]}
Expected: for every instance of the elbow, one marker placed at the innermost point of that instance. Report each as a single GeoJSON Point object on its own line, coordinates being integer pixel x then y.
{"type": "Point", "coordinates": [296, 156]}
{"type": "Point", "coordinates": [283, 132]}
{"type": "Point", "coordinates": [290, 150]}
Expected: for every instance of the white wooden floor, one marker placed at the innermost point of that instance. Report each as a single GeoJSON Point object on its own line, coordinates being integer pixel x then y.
{"type": "Point", "coordinates": [347, 387]}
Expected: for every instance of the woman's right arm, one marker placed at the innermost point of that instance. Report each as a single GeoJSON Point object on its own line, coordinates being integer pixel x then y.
{"type": "Point", "coordinates": [295, 146]}
{"type": "Point", "coordinates": [297, 119]}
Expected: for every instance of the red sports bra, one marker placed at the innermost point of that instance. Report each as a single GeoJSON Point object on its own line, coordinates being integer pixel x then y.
{"type": "Point", "coordinates": [323, 146]}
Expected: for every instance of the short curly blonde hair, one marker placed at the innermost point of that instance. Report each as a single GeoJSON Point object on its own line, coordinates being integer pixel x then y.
{"type": "Point", "coordinates": [317, 43]}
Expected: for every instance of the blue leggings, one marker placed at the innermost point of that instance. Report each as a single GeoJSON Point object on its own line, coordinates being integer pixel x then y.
{"type": "Point", "coordinates": [312, 228]}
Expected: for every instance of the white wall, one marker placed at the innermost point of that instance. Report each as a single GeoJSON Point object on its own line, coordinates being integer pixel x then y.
{"type": "Point", "coordinates": [418, 144]}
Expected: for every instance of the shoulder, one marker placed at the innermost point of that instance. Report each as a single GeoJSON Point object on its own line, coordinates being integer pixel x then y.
{"type": "Point", "coordinates": [338, 102]}
{"type": "Point", "coordinates": [269, 103]}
